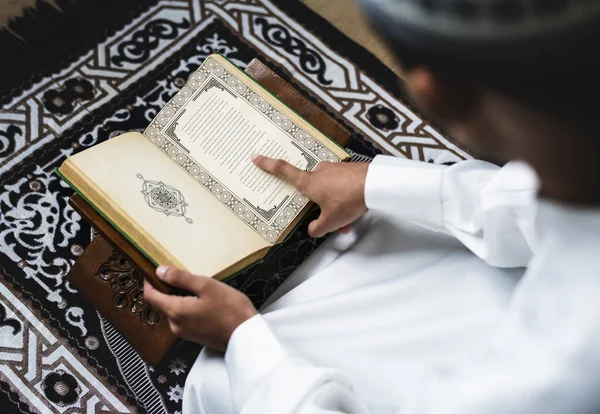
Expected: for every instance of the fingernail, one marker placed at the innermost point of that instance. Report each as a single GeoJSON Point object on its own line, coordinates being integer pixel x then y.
{"type": "Point", "coordinates": [161, 270]}
{"type": "Point", "coordinates": [254, 157]}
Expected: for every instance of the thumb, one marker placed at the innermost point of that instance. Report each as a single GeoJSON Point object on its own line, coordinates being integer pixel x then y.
{"type": "Point", "coordinates": [178, 278]}
{"type": "Point", "coordinates": [317, 228]}
{"type": "Point", "coordinates": [280, 168]}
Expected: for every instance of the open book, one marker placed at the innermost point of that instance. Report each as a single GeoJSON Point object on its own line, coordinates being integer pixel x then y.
{"type": "Point", "coordinates": [185, 192]}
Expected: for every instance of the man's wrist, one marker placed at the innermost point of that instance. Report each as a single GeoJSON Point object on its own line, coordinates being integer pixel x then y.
{"type": "Point", "coordinates": [245, 315]}
{"type": "Point", "coordinates": [405, 188]}
{"type": "Point", "coordinates": [252, 352]}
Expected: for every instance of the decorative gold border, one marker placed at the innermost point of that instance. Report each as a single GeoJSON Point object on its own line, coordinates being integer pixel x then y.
{"type": "Point", "coordinates": [209, 73]}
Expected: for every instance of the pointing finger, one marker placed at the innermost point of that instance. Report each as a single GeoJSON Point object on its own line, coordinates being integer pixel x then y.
{"type": "Point", "coordinates": [318, 228]}
{"type": "Point", "coordinates": [280, 168]}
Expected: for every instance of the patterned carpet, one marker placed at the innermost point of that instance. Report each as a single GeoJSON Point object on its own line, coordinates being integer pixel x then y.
{"type": "Point", "coordinates": [57, 354]}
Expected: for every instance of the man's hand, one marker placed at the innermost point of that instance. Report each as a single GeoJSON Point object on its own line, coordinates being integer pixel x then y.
{"type": "Point", "coordinates": [338, 188]}
{"type": "Point", "coordinates": [208, 318]}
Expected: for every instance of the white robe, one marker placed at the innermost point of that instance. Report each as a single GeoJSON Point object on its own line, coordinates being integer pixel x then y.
{"type": "Point", "coordinates": [400, 316]}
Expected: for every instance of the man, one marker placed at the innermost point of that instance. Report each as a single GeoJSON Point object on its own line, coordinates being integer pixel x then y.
{"type": "Point", "coordinates": [464, 289]}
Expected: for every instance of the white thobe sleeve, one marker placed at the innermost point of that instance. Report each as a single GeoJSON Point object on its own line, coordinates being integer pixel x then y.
{"type": "Point", "coordinates": [266, 378]}
{"type": "Point", "coordinates": [489, 209]}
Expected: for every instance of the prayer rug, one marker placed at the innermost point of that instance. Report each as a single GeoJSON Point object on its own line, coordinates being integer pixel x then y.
{"type": "Point", "coordinates": [57, 354]}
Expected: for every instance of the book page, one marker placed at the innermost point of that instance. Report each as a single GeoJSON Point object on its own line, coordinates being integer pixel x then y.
{"type": "Point", "coordinates": [212, 127]}
{"type": "Point", "coordinates": [159, 207]}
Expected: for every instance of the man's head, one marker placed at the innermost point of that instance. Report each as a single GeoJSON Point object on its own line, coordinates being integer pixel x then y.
{"type": "Point", "coordinates": [506, 77]}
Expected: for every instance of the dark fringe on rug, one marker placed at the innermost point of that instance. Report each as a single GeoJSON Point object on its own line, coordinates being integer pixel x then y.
{"type": "Point", "coordinates": [45, 38]}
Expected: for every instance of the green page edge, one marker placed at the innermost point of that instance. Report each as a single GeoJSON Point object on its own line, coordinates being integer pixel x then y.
{"type": "Point", "coordinates": [273, 248]}
{"type": "Point", "coordinates": [57, 172]}
{"type": "Point", "coordinates": [70, 184]}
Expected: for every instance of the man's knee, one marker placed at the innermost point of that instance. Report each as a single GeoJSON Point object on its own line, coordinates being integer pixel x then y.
{"type": "Point", "coordinates": [192, 394]}
{"type": "Point", "coordinates": [207, 387]}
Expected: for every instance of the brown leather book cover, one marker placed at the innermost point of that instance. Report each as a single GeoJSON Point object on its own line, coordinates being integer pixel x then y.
{"type": "Point", "coordinates": [110, 272]}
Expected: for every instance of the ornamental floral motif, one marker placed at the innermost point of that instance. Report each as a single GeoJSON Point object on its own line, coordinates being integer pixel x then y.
{"type": "Point", "coordinates": [382, 118]}
{"type": "Point", "coordinates": [61, 388]}
{"type": "Point", "coordinates": [164, 198]}
{"type": "Point", "coordinates": [175, 393]}
{"type": "Point", "coordinates": [63, 100]}
{"type": "Point", "coordinates": [177, 366]}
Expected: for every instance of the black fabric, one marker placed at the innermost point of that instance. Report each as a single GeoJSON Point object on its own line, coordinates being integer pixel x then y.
{"type": "Point", "coordinates": [45, 37]}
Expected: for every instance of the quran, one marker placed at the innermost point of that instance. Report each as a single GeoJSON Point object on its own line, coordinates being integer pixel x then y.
{"type": "Point", "coordinates": [185, 191]}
